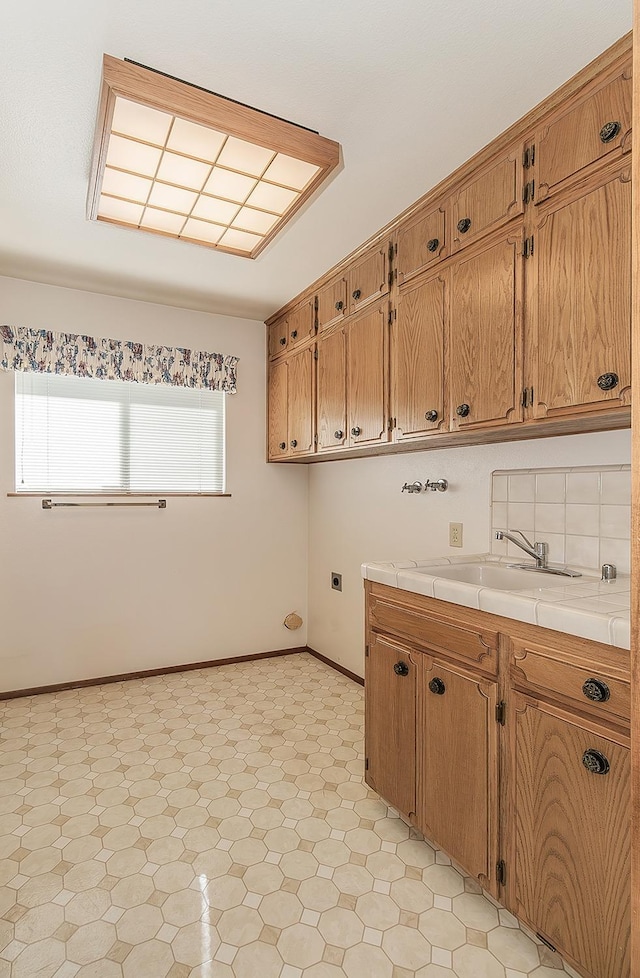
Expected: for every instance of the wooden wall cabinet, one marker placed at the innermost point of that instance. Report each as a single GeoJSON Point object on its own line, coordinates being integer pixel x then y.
{"type": "Point", "coordinates": [368, 277]}
{"type": "Point", "coordinates": [522, 770]}
{"type": "Point", "coordinates": [291, 405]}
{"type": "Point", "coordinates": [509, 291]}
{"type": "Point", "coordinates": [593, 128]}
{"type": "Point", "coordinates": [332, 389]}
{"type": "Point", "coordinates": [490, 198]}
{"type": "Point", "coordinates": [367, 377]}
{"type": "Point", "coordinates": [485, 335]}
{"type": "Point", "coordinates": [417, 359]}
{"type": "Point", "coordinates": [331, 302]}
{"type": "Point", "coordinates": [578, 338]}
{"type": "Point", "coordinates": [292, 330]}
{"type": "Point", "coordinates": [421, 242]}
{"type": "Point", "coordinates": [278, 337]}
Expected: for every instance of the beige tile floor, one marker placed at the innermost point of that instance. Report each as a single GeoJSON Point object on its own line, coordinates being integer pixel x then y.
{"type": "Point", "coordinates": [215, 824]}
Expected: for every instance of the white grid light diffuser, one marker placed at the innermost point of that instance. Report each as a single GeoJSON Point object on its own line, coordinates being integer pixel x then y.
{"type": "Point", "coordinates": [178, 161]}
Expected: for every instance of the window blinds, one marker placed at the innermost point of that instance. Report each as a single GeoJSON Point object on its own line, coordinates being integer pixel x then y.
{"type": "Point", "coordinates": [78, 434]}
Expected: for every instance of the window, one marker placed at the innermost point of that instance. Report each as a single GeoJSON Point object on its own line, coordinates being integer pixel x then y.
{"type": "Point", "coordinates": [78, 434]}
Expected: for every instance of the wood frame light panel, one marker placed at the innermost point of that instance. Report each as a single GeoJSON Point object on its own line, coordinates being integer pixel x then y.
{"type": "Point", "coordinates": [175, 160]}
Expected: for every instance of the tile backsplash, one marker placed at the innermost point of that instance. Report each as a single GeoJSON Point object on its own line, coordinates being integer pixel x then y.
{"type": "Point", "coordinates": [584, 514]}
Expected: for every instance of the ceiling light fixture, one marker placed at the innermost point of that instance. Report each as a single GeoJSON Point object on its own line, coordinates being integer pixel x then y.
{"type": "Point", "coordinates": [174, 159]}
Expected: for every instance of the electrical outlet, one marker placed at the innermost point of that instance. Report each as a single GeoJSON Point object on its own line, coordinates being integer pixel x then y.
{"type": "Point", "coordinates": [455, 534]}
{"type": "Point", "coordinates": [336, 581]}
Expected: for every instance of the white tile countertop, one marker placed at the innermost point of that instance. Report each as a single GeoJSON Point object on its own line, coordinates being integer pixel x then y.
{"type": "Point", "coordinates": [586, 606]}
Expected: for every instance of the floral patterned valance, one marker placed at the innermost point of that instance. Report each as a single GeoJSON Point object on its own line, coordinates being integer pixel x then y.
{"type": "Point", "coordinates": [43, 351]}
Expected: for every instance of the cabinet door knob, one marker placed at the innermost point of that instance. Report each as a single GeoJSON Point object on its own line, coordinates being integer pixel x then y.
{"type": "Point", "coordinates": [339, 433]}
{"type": "Point", "coordinates": [356, 431]}
{"type": "Point", "coordinates": [356, 295]}
{"type": "Point", "coordinates": [294, 443]}
{"type": "Point", "coordinates": [401, 669]}
{"type": "Point", "coordinates": [463, 410]}
{"type": "Point", "coordinates": [596, 690]}
{"type": "Point", "coordinates": [282, 446]}
{"type": "Point", "coordinates": [339, 305]}
{"type": "Point", "coordinates": [431, 415]}
{"type": "Point", "coordinates": [464, 224]}
{"type": "Point", "coordinates": [432, 244]}
{"type": "Point", "coordinates": [283, 340]}
{"type": "Point", "coordinates": [437, 686]}
{"type": "Point", "coordinates": [606, 382]}
{"type": "Point", "coordinates": [609, 131]}
{"type": "Point", "coordinates": [294, 334]}
{"type": "Point", "coordinates": [595, 762]}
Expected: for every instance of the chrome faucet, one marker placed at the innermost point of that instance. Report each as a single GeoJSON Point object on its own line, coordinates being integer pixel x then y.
{"type": "Point", "coordinates": [539, 551]}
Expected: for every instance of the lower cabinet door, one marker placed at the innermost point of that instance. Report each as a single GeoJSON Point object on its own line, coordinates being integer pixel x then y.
{"type": "Point", "coordinates": [458, 766]}
{"type": "Point", "coordinates": [390, 722]}
{"type": "Point", "coordinates": [571, 850]}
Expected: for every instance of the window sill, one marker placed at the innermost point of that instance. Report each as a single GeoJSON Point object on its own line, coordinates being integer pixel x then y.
{"type": "Point", "coordinates": [118, 495]}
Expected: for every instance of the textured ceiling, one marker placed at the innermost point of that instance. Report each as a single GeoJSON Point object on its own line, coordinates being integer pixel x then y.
{"type": "Point", "coordinates": [410, 89]}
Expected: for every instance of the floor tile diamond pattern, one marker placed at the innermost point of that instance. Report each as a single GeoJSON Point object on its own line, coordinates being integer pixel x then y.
{"type": "Point", "coordinates": [215, 824]}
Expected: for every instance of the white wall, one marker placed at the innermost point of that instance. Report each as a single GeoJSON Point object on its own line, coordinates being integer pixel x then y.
{"type": "Point", "coordinates": [93, 592]}
{"type": "Point", "coordinates": [358, 513]}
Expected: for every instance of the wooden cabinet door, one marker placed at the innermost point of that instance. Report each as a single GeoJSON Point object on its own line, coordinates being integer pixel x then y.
{"type": "Point", "coordinates": [421, 242]}
{"type": "Point", "coordinates": [417, 356]}
{"type": "Point", "coordinates": [458, 766]}
{"type": "Point", "coordinates": [485, 335]}
{"type": "Point", "coordinates": [390, 722]}
{"type": "Point", "coordinates": [579, 325]}
{"type": "Point", "coordinates": [278, 418]}
{"type": "Point", "coordinates": [367, 377]}
{"type": "Point", "coordinates": [332, 390]}
{"type": "Point", "coordinates": [571, 849]}
{"type": "Point", "coordinates": [300, 397]}
{"type": "Point", "coordinates": [332, 302]}
{"type": "Point", "coordinates": [278, 337]}
{"type": "Point", "coordinates": [589, 129]}
{"type": "Point", "coordinates": [490, 198]}
{"type": "Point", "coordinates": [300, 324]}
{"type": "Point", "coordinates": [368, 277]}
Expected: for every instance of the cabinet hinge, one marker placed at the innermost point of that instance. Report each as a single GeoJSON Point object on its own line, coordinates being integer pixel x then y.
{"type": "Point", "coordinates": [501, 872]}
{"type": "Point", "coordinates": [529, 157]}
{"type": "Point", "coordinates": [391, 424]}
{"type": "Point", "coordinates": [546, 942]}
{"type": "Point", "coordinates": [315, 439]}
{"type": "Point", "coordinates": [501, 713]}
{"type": "Point", "coordinates": [366, 763]}
{"type": "Point", "coordinates": [392, 316]}
{"type": "Point", "coordinates": [527, 397]}
{"type": "Point", "coordinates": [529, 191]}
{"type": "Point", "coordinates": [315, 314]}
{"type": "Point", "coordinates": [315, 353]}
{"type": "Point", "coordinates": [366, 650]}
{"type": "Point", "coordinates": [527, 247]}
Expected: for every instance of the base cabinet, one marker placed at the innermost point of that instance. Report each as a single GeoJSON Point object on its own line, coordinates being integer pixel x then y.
{"type": "Point", "coordinates": [457, 733]}
{"type": "Point", "coordinates": [391, 680]}
{"type": "Point", "coordinates": [571, 872]}
{"type": "Point", "coordinates": [520, 774]}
